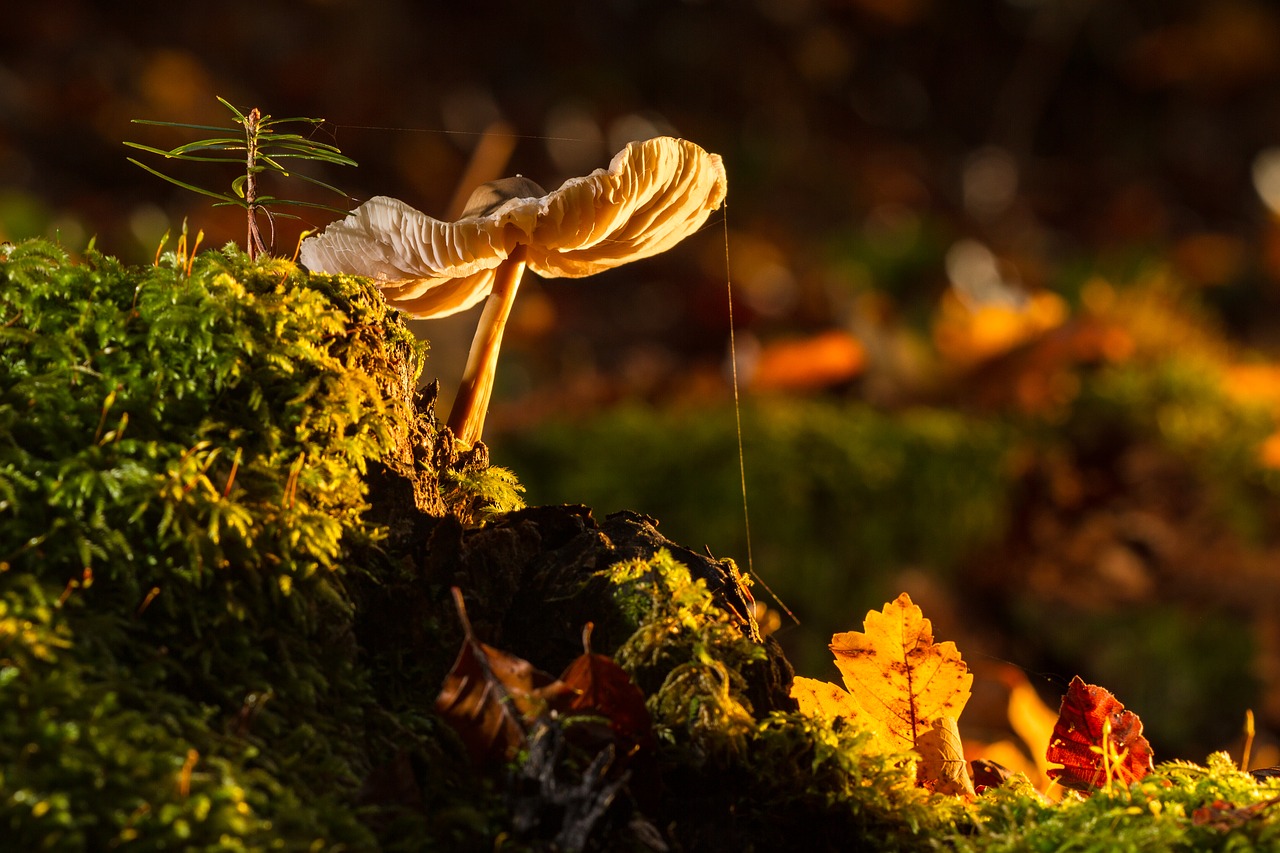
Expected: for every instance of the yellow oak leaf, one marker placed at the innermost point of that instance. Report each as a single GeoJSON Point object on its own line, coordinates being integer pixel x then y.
{"type": "Point", "coordinates": [895, 672]}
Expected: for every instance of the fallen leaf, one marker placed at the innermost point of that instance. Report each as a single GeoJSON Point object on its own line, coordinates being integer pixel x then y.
{"type": "Point", "coordinates": [490, 697]}
{"type": "Point", "coordinates": [895, 672]}
{"type": "Point", "coordinates": [602, 687]}
{"type": "Point", "coordinates": [1077, 743]}
{"type": "Point", "coordinates": [902, 686]}
{"type": "Point", "coordinates": [988, 774]}
{"type": "Point", "coordinates": [822, 698]}
{"type": "Point", "coordinates": [942, 768]}
{"type": "Point", "coordinates": [1226, 816]}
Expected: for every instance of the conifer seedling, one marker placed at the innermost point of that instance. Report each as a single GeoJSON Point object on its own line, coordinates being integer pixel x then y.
{"type": "Point", "coordinates": [255, 142]}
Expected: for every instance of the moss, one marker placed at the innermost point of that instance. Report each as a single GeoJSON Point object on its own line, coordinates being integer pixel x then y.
{"type": "Point", "coordinates": [184, 456]}
{"type": "Point", "coordinates": [687, 654]}
{"type": "Point", "coordinates": [786, 775]}
{"type": "Point", "coordinates": [1181, 806]}
{"type": "Point", "coordinates": [228, 525]}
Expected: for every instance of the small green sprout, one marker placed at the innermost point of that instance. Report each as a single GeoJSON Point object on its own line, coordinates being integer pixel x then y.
{"type": "Point", "coordinates": [259, 147]}
{"type": "Point", "coordinates": [1112, 756]}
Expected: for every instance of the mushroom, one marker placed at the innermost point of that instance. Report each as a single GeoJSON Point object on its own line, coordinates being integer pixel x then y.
{"type": "Point", "coordinates": [653, 194]}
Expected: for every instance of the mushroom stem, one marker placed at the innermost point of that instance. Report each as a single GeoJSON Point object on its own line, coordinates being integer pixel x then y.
{"type": "Point", "coordinates": [470, 406]}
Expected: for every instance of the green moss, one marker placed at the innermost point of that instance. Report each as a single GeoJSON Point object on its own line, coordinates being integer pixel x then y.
{"type": "Point", "coordinates": [183, 465]}
{"type": "Point", "coordinates": [477, 495]}
{"type": "Point", "coordinates": [786, 775]}
{"type": "Point", "coordinates": [218, 628]}
{"type": "Point", "coordinates": [686, 654]}
{"type": "Point", "coordinates": [1172, 809]}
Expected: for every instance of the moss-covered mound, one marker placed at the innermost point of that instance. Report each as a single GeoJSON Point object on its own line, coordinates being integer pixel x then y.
{"type": "Point", "coordinates": [184, 456]}
{"type": "Point", "coordinates": [229, 527]}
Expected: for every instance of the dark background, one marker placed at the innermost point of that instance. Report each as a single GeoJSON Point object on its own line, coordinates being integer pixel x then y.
{"type": "Point", "coordinates": [1051, 131]}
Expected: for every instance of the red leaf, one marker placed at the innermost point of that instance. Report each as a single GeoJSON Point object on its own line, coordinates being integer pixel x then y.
{"type": "Point", "coordinates": [604, 688]}
{"type": "Point", "coordinates": [1077, 742]}
{"type": "Point", "coordinates": [490, 697]}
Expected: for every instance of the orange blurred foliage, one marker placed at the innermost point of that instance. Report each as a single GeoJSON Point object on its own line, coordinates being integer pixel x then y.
{"type": "Point", "coordinates": [811, 363]}
{"type": "Point", "coordinates": [1258, 384]}
{"type": "Point", "coordinates": [967, 335]}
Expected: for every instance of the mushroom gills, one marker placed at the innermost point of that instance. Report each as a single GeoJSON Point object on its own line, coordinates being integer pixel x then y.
{"type": "Point", "coordinates": [651, 196]}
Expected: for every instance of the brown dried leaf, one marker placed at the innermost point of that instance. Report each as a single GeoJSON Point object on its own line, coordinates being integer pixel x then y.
{"type": "Point", "coordinates": [602, 687]}
{"type": "Point", "coordinates": [1225, 816]}
{"type": "Point", "coordinates": [988, 774]}
{"type": "Point", "coordinates": [490, 697]}
{"type": "Point", "coordinates": [942, 768]}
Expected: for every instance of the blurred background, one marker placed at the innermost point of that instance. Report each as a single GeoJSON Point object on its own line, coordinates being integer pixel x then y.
{"type": "Point", "coordinates": [1005, 280]}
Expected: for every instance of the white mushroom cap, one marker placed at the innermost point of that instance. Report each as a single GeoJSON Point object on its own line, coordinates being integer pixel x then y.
{"type": "Point", "coordinates": [653, 194]}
